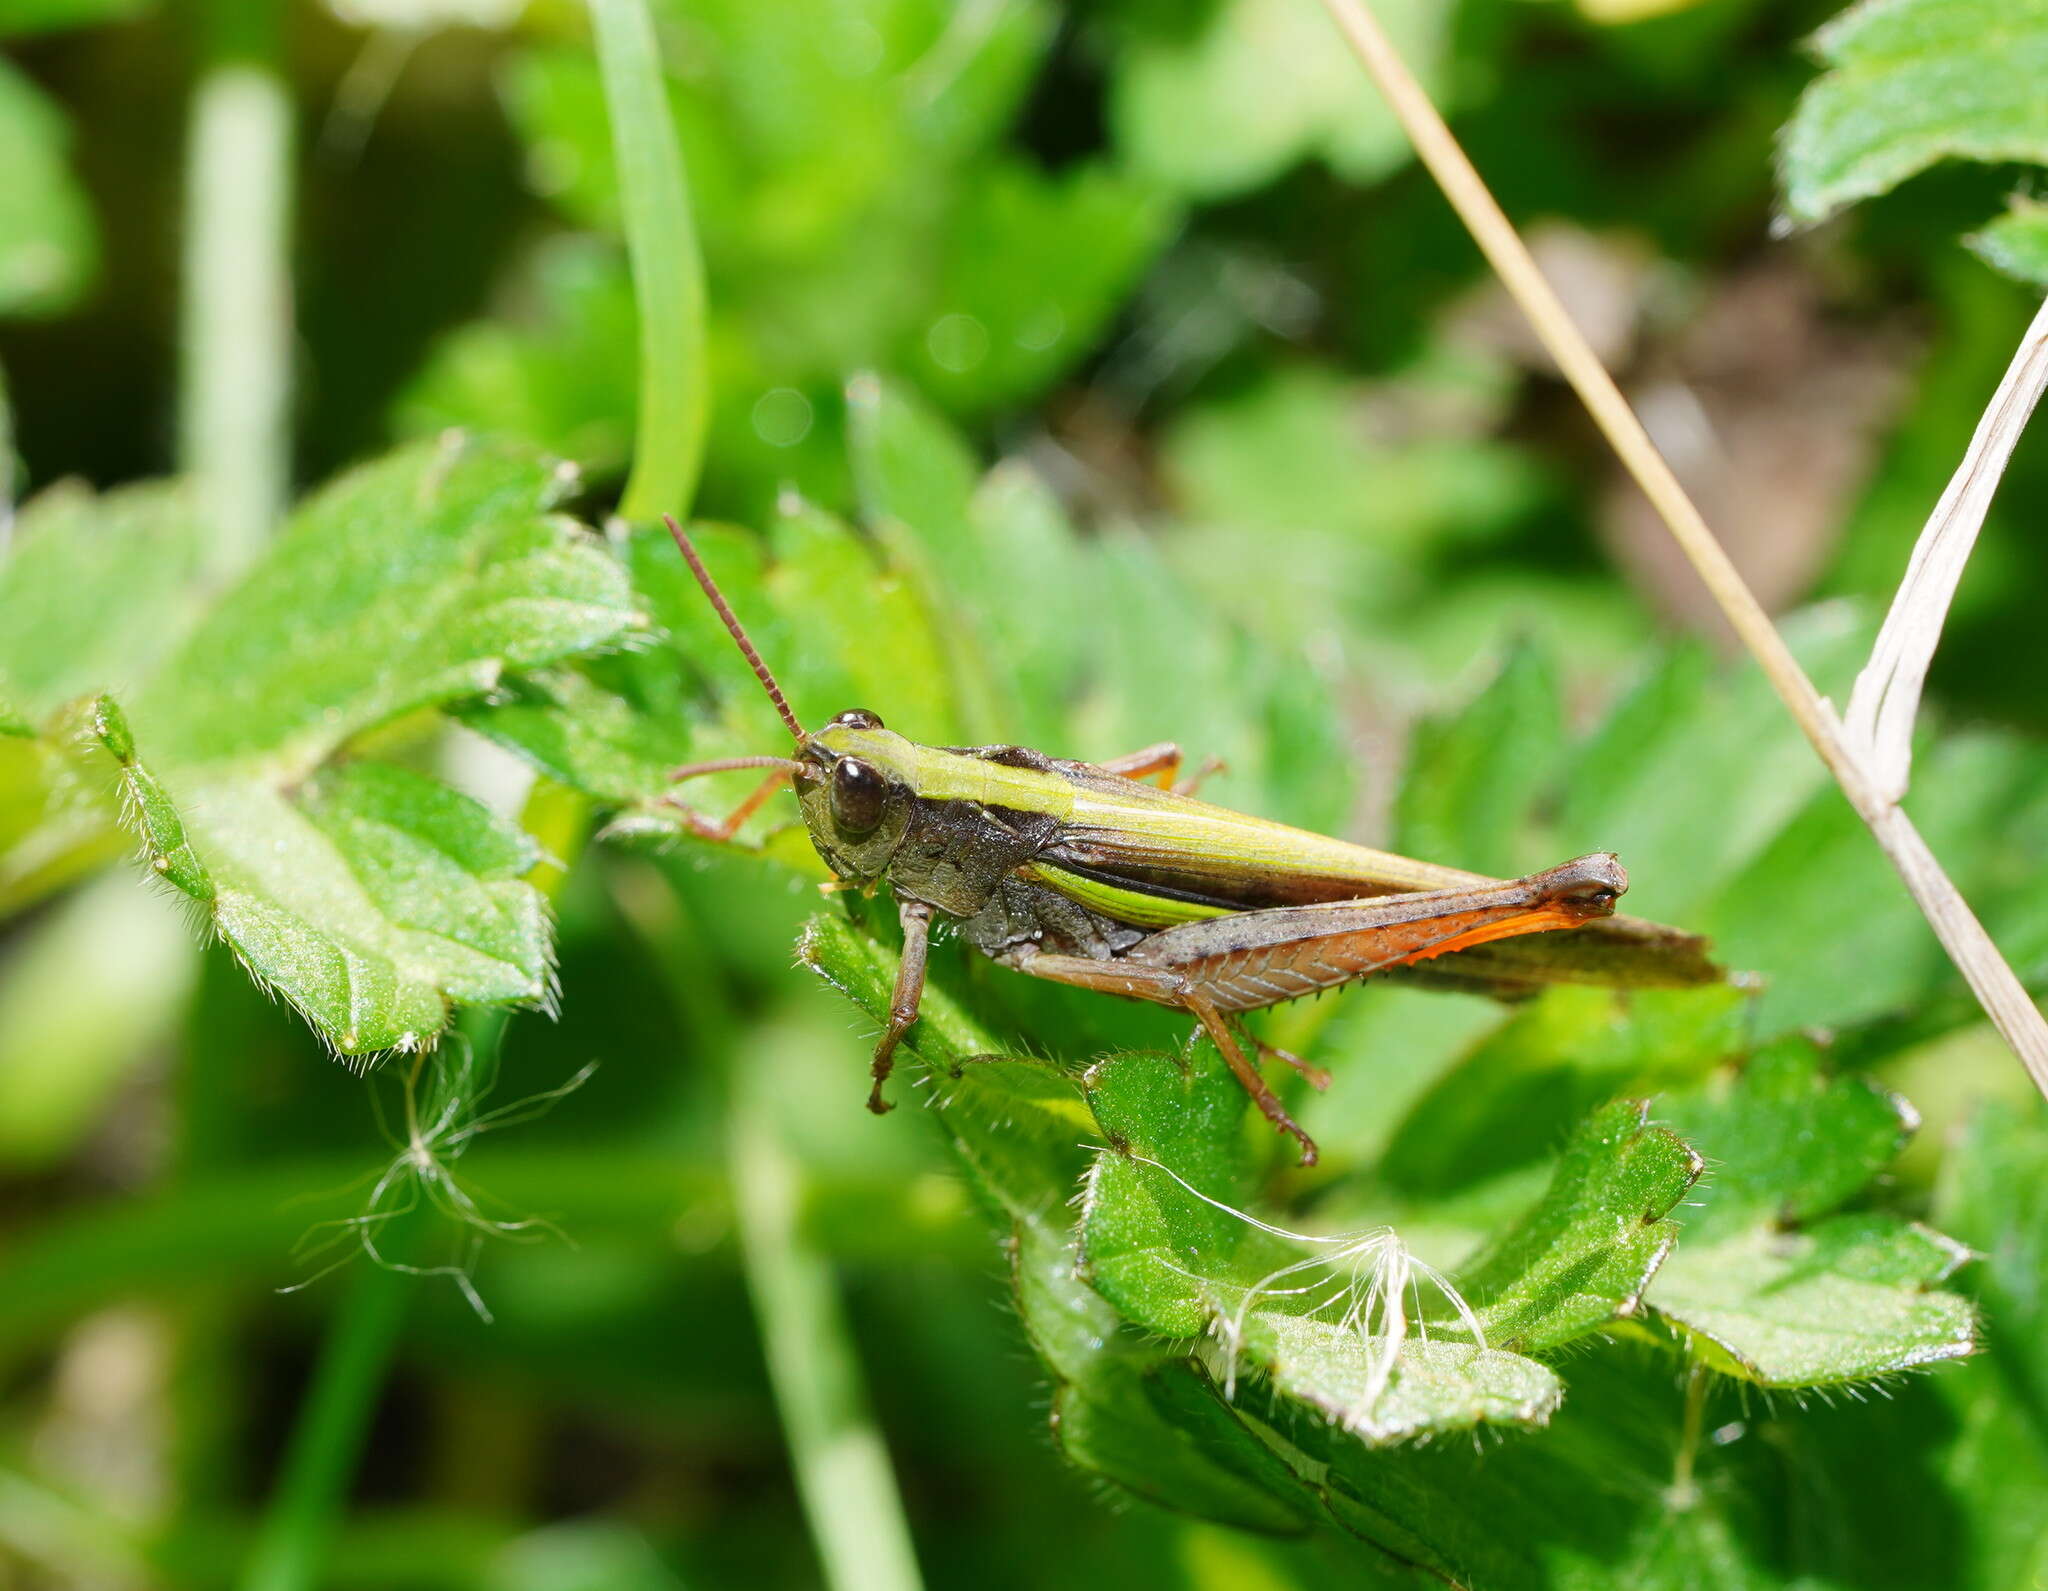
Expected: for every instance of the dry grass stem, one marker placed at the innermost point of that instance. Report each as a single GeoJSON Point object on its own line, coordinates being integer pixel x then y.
{"type": "Point", "coordinates": [1999, 991]}
{"type": "Point", "coordinates": [1887, 695]}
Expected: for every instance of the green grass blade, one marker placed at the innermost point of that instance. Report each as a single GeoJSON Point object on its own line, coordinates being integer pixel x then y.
{"type": "Point", "coordinates": [236, 302]}
{"type": "Point", "coordinates": [668, 271]}
{"type": "Point", "coordinates": [305, 1512]}
{"type": "Point", "coordinates": [842, 1469]}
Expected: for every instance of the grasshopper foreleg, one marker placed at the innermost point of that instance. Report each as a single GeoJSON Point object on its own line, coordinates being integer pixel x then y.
{"type": "Point", "coordinates": [916, 918]}
{"type": "Point", "coordinates": [722, 830]}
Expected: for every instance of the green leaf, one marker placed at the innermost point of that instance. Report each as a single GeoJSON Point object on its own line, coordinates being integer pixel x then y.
{"type": "Point", "coordinates": [1840, 1302]}
{"type": "Point", "coordinates": [369, 896]}
{"type": "Point", "coordinates": [994, 558]}
{"type": "Point", "coordinates": [48, 247]}
{"type": "Point", "coordinates": [407, 582]}
{"type": "Point", "coordinates": [1105, 1407]}
{"type": "Point", "coordinates": [813, 603]}
{"type": "Point", "coordinates": [94, 590]}
{"type": "Point", "coordinates": [57, 822]}
{"type": "Point", "coordinates": [1582, 1257]}
{"type": "Point", "coordinates": [606, 744]}
{"type": "Point", "coordinates": [370, 900]}
{"type": "Point", "coordinates": [1766, 1283]}
{"type": "Point", "coordinates": [1210, 117]}
{"type": "Point", "coordinates": [834, 601]}
{"type": "Point", "coordinates": [1994, 1195]}
{"type": "Point", "coordinates": [153, 813]}
{"type": "Point", "coordinates": [1150, 1243]}
{"type": "Point", "coordinates": [1159, 1243]}
{"type": "Point", "coordinates": [2016, 242]}
{"type": "Point", "coordinates": [1788, 1142]}
{"type": "Point", "coordinates": [1697, 768]}
{"type": "Point", "coordinates": [1014, 1124]}
{"type": "Point", "coordinates": [1013, 1121]}
{"type": "Point", "coordinates": [1910, 82]}
{"type": "Point", "coordinates": [1430, 1387]}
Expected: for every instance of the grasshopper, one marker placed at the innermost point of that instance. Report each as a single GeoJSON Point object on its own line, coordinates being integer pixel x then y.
{"type": "Point", "coordinates": [1088, 874]}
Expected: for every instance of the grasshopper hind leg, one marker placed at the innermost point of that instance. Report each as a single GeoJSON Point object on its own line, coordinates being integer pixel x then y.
{"type": "Point", "coordinates": [1164, 986]}
{"type": "Point", "coordinates": [1318, 1079]}
{"type": "Point", "coordinates": [1219, 1030]}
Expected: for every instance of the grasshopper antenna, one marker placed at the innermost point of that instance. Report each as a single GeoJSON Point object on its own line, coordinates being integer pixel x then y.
{"type": "Point", "coordinates": [733, 625]}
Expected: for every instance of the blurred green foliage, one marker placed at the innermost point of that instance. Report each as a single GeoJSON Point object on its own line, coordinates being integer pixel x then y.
{"type": "Point", "coordinates": [1083, 376]}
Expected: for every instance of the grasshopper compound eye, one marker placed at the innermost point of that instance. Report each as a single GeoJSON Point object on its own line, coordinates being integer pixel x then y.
{"type": "Point", "coordinates": [859, 794]}
{"type": "Point", "coordinates": [857, 718]}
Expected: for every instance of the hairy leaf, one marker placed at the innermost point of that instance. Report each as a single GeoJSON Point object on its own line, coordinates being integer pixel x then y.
{"type": "Point", "coordinates": [1910, 82]}
{"type": "Point", "coordinates": [1105, 1410]}
{"type": "Point", "coordinates": [1771, 1285]}
{"type": "Point", "coordinates": [370, 899]}
{"type": "Point", "coordinates": [1159, 1241]}
{"type": "Point", "coordinates": [370, 896]}
{"type": "Point", "coordinates": [1427, 1389]}
{"type": "Point", "coordinates": [410, 581]}
{"type": "Point", "coordinates": [1582, 1257]}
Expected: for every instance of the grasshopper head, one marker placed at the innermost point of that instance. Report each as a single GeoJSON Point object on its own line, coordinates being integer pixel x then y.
{"type": "Point", "coordinates": [856, 800]}
{"type": "Point", "coordinates": [1584, 889]}
{"type": "Point", "coordinates": [853, 778]}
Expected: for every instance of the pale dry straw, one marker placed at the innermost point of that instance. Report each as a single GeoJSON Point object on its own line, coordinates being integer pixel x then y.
{"type": "Point", "coordinates": [1925, 595]}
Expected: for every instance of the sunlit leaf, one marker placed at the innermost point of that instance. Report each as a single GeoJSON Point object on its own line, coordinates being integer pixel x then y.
{"type": "Point", "coordinates": [79, 559]}
{"type": "Point", "coordinates": [369, 896]}
{"type": "Point", "coordinates": [1208, 118]}
{"type": "Point", "coordinates": [1769, 1282]}
{"type": "Point", "coordinates": [417, 579]}
{"type": "Point", "coordinates": [370, 900]}
{"type": "Point", "coordinates": [1910, 82]}
{"type": "Point", "coordinates": [1582, 1257]}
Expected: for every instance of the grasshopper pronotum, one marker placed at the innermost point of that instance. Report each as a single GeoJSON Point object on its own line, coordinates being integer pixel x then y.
{"type": "Point", "coordinates": [1087, 874]}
